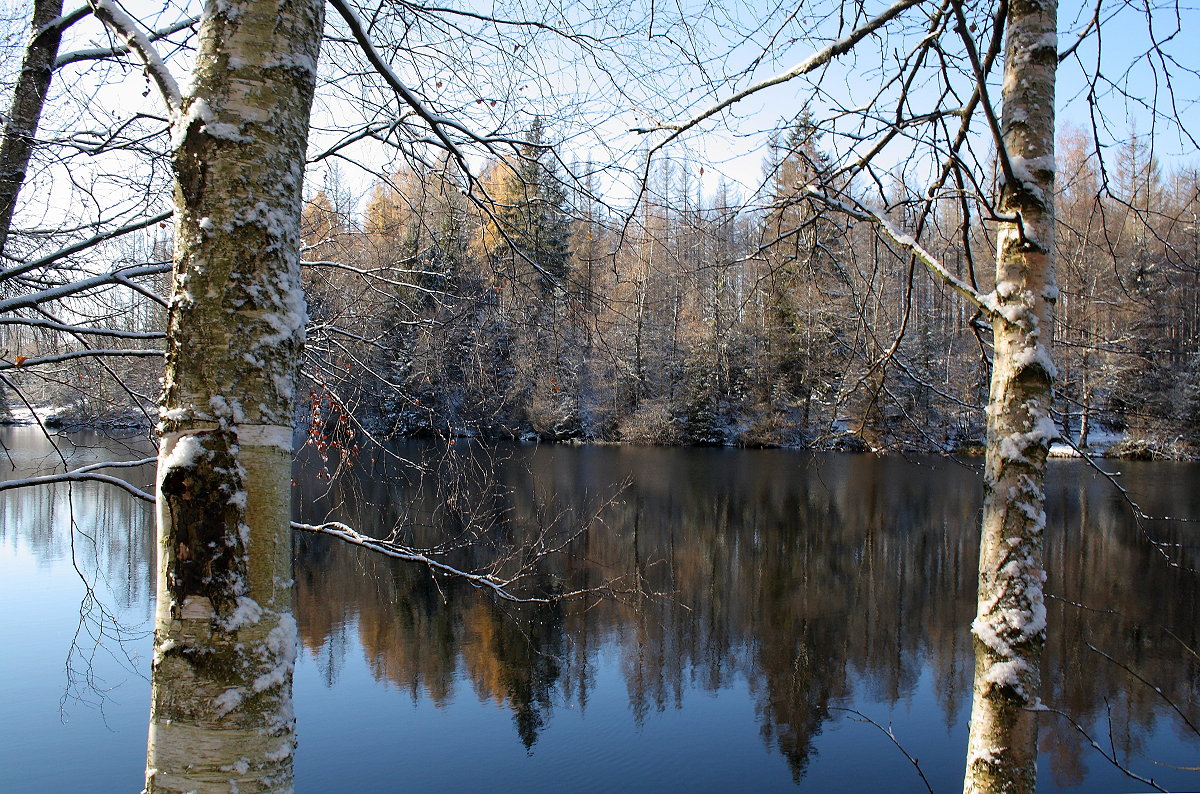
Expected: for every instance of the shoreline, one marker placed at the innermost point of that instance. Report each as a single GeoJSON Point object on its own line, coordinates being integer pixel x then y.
{"type": "Point", "coordinates": [1110, 445]}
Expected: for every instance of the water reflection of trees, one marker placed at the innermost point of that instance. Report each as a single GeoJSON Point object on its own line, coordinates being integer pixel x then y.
{"type": "Point", "coordinates": [803, 575]}
{"type": "Point", "coordinates": [108, 535]}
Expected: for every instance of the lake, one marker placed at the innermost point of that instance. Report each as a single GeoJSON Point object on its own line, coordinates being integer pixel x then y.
{"type": "Point", "coordinates": [770, 616]}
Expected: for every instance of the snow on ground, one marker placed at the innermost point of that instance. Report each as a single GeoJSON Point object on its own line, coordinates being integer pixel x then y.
{"type": "Point", "coordinates": [21, 415]}
{"type": "Point", "coordinates": [59, 416]}
{"type": "Point", "coordinates": [1099, 441]}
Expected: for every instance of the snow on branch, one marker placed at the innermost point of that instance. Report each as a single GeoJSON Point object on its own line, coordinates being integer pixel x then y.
{"type": "Point", "coordinates": [399, 552]}
{"type": "Point", "coordinates": [810, 64]}
{"type": "Point", "coordinates": [26, 363]}
{"type": "Point", "coordinates": [873, 215]}
{"type": "Point", "coordinates": [86, 474]}
{"type": "Point", "coordinates": [51, 325]}
{"type": "Point", "coordinates": [119, 276]}
{"type": "Point", "coordinates": [61, 23]}
{"type": "Point", "coordinates": [373, 130]}
{"type": "Point", "coordinates": [82, 245]}
{"type": "Point", "coordinates": [498, 585]}
{"type": "Point", "coordinates": [127, 29]}
{"type": "Point", "coordinates": [100, 53]}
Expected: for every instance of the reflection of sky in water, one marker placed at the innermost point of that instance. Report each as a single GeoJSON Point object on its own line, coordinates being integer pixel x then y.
{"type": "Point", "coordinates": [866, 611]}
{"type": "Point", "coordinates": [97, 741]}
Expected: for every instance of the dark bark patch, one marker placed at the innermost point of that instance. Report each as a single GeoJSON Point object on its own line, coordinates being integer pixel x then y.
{"type": "Point", "coordinates": [191, 164]}
{"type": "Point", "coordinates": [207, 555]}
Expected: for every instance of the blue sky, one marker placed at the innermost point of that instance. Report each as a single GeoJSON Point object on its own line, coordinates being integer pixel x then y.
{"type": "Point", "coordinates": [653, 62]}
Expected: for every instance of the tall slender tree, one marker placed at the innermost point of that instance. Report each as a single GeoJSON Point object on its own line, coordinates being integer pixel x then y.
{"type": "Point", "coordinates": [804, 306]}
{"type": "Point", "coordinates": [28, 101]}
{"type": "Point", "coordinates": [225, 639]}
{"type": "Point", "coordinates": [531, 232]}
{"type": "Point", "coordinates": [1010, 624]}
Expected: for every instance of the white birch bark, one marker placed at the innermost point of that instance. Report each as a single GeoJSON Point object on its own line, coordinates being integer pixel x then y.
{"type": "Point", "coordinates": [1010, 625]}
{"type": "Point", "coordinates": [225, 639]}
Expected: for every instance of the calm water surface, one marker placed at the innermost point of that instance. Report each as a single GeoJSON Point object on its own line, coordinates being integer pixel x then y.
{"type": "Point", "coordinates": [808, 594]}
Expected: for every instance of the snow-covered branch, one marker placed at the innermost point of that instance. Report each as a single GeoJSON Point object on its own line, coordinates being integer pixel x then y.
{"type": "Point", "coordinates": [127, 29]}
{"type": "Point", "coordinates": [51, 325]}
{"type": "Point", "coordinates": [99, 53]}
{"type": "Point", "coordinates": [373, 130]}
{"type": "Point", "coordinates": [498, 585]}
{"type": "Point", "coordinates": [26, 363]}
{"type": "Point", "coordinates": [82, 245]}
{"type": "Point", "coordinates": [119, 276]}
{"type": "Point", "coordinates": [87, 474]}
{"type": "Point", "coordinates": [399, 552]}
{"type": "Point", "coordinates": [873, 215]}
{"type": "Point", "coordinates": [59, 24]}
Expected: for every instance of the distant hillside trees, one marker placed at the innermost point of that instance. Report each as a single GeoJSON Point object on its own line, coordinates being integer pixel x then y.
{"type": "Point", "coordinates": [723, 319]}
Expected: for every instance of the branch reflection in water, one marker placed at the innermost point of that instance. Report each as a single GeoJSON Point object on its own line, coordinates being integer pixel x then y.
{"type": "Point", "coordinates": [816, 582]}
{"type": "Point", "coordinates": [803, 585]}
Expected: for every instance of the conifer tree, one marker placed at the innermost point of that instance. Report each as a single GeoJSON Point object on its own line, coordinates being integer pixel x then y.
{"type": "Point", "coordinates": [533, 217]}
{"type": "Point", "coordinates": [800, 308]}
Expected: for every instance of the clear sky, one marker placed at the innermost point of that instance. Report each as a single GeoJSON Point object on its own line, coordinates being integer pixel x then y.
{"type": "Point", "coordinates": [1137, 70]}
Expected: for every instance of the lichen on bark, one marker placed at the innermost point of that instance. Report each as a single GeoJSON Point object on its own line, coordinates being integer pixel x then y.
{"type": "Point", "coordinates": [225, 639]}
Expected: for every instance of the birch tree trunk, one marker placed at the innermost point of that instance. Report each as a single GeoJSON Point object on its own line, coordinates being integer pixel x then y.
{"type": "Point", "coordinates": [225, 639]}
{"type": "Point", "coordinates": [1010, 625]}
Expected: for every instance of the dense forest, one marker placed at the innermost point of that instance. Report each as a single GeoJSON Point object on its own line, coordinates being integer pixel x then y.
{"type": "Point", "coordinates": [521, 302]}
{"type": "Point", "coordinates": [696, 318]}
{"type": "Point", "coordinates": [758, 320]}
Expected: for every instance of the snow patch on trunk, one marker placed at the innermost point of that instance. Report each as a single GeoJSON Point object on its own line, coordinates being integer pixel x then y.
{"type": "Point", "coordinates": [228, 700]}
{"type": "Point", "coordinates": [246, 612]}
{"type": "Point", "coordinates": [185, 453]}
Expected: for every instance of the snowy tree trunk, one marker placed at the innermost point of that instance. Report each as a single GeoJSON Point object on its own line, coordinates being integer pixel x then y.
{"type": "Point", "coordinates": [225, 639]}
{"type": "Point", "coordinates": [25, 113]}
{"type": "Point", "coordinates": [1010, 625]}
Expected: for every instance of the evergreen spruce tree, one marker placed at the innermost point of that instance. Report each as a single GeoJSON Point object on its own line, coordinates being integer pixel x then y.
{"type": "Point", "coordinates": [533, 216]}
{"type": "Point", "coordinates": [527, 242]}
{"type": "Point", "coordinates": [801, 311]}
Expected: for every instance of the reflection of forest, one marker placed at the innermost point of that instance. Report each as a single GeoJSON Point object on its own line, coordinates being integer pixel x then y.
{"type": "Point", "coordinates": [798, 573]}
{"type": "Point", "coordinates": [108, 535]}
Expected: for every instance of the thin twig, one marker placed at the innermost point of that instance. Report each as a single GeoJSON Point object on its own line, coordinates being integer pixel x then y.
{"type": "Point", "coordinates": [888, 733]}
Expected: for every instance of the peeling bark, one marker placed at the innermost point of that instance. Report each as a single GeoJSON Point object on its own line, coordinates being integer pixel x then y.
{"type": "Point", "coordinates": [225, 639]}
{"type": "Point", "coordinates": [1010, 626]}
